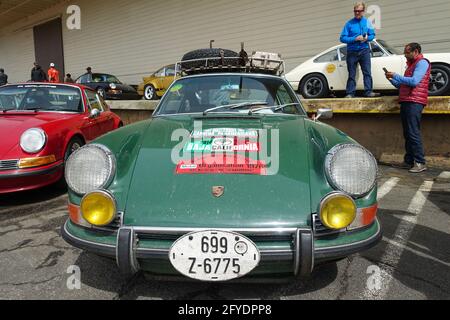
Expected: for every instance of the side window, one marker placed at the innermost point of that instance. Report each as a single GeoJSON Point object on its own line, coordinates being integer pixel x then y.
{"type": "Point", "coordinates": [328, 57]}
{"type": "Point", "coordinates": [170, 71]}
{"type": "Point", "coordinates": [284, 98]}
{"type": "Point", "coordinates": [160, 73]}
{"type": "Point", "coordinates": [376, 51]}
{"type": "Point", "coordinates": [343, 53]}
{"type": "Point", "coordinates": [94, 101]}
{"type": "Point", "coordinates": [83, 79]}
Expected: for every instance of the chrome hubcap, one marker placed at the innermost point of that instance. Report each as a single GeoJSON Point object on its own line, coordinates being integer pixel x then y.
{"type": "Point", "coordinates": [438, 80]}
{"type": "Point", "coordinates": [149, 92]}
{"type": "Point", "coordinates": [75, 147]}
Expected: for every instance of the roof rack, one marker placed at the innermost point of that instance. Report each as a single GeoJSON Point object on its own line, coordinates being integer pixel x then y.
{"type": "Point", "coordinates": [255, 64]}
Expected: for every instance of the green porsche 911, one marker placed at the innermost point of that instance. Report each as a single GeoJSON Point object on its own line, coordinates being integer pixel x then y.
{"type": "Point", "coordinates": [228, 179]}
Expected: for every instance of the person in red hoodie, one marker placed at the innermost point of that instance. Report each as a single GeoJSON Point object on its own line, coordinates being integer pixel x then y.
{"type": "Point", "coordinates": [53, 74]}
{"type": "Point", "coordinates": [413, 99]}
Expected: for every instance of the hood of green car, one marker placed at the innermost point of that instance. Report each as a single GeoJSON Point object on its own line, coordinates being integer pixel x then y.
{"type": "Point", "coordinates": [162, 194]}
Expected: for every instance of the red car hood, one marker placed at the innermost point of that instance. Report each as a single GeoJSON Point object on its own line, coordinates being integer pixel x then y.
{"type": "Point", "coordinates": [13, 125]}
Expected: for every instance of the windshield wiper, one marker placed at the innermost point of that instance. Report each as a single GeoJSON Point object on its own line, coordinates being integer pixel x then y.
{"type": "Point", "coordinates": [236, 106]}
{"type": "Point", "coordinates": [274, 108]}
{"type": "Point", "coordinates": [6, 110]}
{"type": "Point", "coordinates": [35, 109]}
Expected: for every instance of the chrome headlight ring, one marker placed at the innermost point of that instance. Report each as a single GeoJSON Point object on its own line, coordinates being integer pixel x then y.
{"type": "Point", "coordinates": [352, 169]}
{"type": "Point", "coordinates": [33, 140]}
{"type": "Point", "coordinates": [83, 166]}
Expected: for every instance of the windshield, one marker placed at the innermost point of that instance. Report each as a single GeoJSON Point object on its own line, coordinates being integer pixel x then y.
{"type": "Point", "coordinates": [98, 77]}
{"type": "Point", "coordinates": [389, 48]}
{"type": "Point", "coordinates": [40, 97]}
{"type": "Point", "coordinates": [230, 93]}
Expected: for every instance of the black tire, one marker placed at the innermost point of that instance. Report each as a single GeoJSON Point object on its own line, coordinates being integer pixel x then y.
{"type": "Point", "coordinates": [209, 53]}
{"type": "Point", "coordinates": [150, 92]}
{"type": "Point", "coordinates": [61, 184]}
{"type": "Point", "coordinates": [72, 146]}
{"type": "Point", "coordinates": [440, 80]}
{"type": "Point", "coordinates": [314, 86]}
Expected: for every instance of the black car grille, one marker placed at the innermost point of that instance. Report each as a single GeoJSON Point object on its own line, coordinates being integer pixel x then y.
{"type": "Point", "coordinates": [173, 237]}
{"type": "Point", "coordinates": [9, 164]}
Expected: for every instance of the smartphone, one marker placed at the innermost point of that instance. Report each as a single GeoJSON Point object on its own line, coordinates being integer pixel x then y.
{"type": "Point", "coordinates": [385, 70]}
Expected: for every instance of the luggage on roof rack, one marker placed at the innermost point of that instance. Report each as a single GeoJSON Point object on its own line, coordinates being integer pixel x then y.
{"type": "Point", "coordinates": [221, 60]}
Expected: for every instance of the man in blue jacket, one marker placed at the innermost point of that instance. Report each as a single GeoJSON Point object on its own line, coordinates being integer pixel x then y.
{"type": "Point", "coordinates": [357, 34]}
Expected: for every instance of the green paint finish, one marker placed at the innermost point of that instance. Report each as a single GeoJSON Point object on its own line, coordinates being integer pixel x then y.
{"type": "Point", "coordinates": [160, 197]}
{"type": "Point", "coordinates": [348, 238]}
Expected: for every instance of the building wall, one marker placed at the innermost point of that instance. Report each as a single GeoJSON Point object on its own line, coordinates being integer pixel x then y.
{"type": "Point", "coordinates": [17, 55]}
{"type": "Point", "coordinates": [131, 39]}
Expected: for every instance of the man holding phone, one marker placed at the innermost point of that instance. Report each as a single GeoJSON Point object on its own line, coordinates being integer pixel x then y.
{"type": "Point", "coordinates": [413, 99]}
{"type": "Point", "coordinates": [357, 34]}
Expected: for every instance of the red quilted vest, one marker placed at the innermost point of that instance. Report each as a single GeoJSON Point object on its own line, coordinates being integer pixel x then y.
{"type": "Point", "coordinates": [418, 94]}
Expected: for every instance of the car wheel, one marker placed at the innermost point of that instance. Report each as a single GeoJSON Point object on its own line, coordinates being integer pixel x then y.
{"type": "Point", "coordinates": [209, 53]}
{"type": "Point", "coordinates": [74, 144]}
{"type": "Point", "coordinates": [149, 92]}
{"type": "Point", "coordinates": [314, 86]}
{"type": "Point", "coordinates": [101, 92]}
{"type": "Point", "coordinates": [439, 80]}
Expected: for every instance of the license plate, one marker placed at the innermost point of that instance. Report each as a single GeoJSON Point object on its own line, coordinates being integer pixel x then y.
{"type": "Point", "coordinates": [214, 255]}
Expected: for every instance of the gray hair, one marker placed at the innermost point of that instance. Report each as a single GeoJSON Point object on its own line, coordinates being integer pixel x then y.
{"type": "Point", "coordinates": [360, 4]}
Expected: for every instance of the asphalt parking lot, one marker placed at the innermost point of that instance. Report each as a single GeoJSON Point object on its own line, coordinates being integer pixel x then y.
{"type": "Point", "coordinates": [412, 261]}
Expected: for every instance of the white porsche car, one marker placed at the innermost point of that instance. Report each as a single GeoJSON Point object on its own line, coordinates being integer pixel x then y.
{"type": "Point", "coordinates": [327, 73]}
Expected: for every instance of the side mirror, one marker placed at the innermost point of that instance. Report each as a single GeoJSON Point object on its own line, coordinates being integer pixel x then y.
{"type": "Point", "coordinates": [324, 114]}
{"type": "Point", "coordinates": [95, 113]}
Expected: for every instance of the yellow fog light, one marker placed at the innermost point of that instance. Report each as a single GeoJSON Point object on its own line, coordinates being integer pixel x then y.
{"type": "Point", "coordinates": [36, 162]}
{"type": "Point", "coordinates": [337, 211]}
{"type": "Point", "coordinates": [98, 208]}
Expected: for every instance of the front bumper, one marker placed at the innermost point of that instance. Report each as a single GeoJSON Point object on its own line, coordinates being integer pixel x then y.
{"type": "Point", "coordinates": [133, 252]}
{"type": "Point", "coordinates": [29, 179]}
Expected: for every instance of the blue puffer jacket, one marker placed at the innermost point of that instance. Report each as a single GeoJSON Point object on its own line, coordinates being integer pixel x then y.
{"type": "Point", "coordinates": [354, 28]}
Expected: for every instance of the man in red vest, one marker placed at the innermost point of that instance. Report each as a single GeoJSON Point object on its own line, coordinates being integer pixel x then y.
{"type": "Point", "coordinates": [53, 74]}
{"type": "Point", "coordinates": [413, 99]}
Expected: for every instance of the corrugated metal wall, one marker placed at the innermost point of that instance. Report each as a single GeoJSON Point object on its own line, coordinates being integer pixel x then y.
{"type": "Point", "coordinates": [17, 55]}
{"type": "Point", "coordinates": [133, 38]}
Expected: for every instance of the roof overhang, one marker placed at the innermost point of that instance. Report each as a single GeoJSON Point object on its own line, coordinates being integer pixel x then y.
{"type": "Point", "coordinates": [12, 11]}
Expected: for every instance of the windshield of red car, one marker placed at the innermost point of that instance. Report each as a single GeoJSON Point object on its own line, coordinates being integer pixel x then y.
{"type": "Point", "coordinates": [200, 94]}
{"type": "Point", "coordinates": [40, 97]}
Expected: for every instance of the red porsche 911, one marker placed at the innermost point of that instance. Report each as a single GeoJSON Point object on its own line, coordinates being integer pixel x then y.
{"type": "Point", "coordinates": [41, 125]}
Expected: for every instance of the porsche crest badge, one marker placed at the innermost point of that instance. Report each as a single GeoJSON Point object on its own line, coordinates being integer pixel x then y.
{"type": "Point", "coordinates": [218, 191]}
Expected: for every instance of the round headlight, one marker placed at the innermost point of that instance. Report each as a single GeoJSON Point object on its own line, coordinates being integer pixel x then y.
{"type": "Point", "coordinates": [98, 208]}
{"type": "Point", "coordinates": [112, 86]}
{"type": "Point", "coordinates": [337, 211]}
{"type": "Point", "coordinates": [90, 168]}
{"type": "Point", "coordinates": [351, 169]}
{"type": "Point", "coordinates": [33, 140]}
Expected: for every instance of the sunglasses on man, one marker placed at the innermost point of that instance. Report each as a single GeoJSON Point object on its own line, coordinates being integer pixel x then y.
{"type": "Point", "coordinates": [358, 11]}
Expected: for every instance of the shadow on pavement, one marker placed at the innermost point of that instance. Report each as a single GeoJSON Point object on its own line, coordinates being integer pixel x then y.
{"type": "Point", "coordinates": [33, 196]}
{"type": "Point", "coordinates": [424, 263]}
{"type": "Point", "coordinates": [102, 274]}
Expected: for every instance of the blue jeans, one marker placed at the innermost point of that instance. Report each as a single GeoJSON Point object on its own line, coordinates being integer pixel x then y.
{"type": "Point", "coordinates": [362, 57]}
{"type": "Point", "coordinates": [411, 114]}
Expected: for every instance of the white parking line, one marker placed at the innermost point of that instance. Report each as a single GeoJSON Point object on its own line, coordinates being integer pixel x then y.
{"type": "Point", "coordinates": [396, 246]}
{"type": "Point", "coordinates": [387, 187]}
